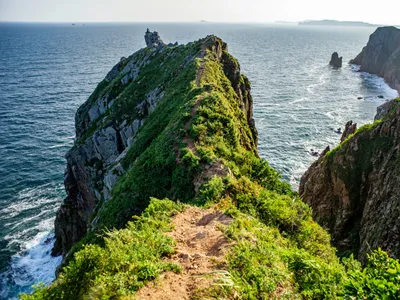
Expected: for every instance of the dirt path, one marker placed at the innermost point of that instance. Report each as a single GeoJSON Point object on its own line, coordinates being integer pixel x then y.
{"type": "Point", "coordinates": [200, 250]}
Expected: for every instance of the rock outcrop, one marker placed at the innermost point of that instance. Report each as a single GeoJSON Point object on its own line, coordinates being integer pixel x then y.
{"type": "Point", "coordinates": [354, 189]}
{"type": "Point", "coordinates": [153, 39]}
{"type": "Point", "coordinates": [116, 128]}
{"type": "Point", "coordinates": [336, 61]}
{"type": "Point", "coordinates": [381, 56]}
{"type": "Point", "coordinates": [349, 129]}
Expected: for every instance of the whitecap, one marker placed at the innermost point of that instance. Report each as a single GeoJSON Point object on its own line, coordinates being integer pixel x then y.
{"type": "Point", "coordinates": [32, 265]}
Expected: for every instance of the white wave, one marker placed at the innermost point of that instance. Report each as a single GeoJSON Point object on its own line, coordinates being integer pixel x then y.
{"type": "Point", "coordinates": [355, 68]}
{"type": "Point", "coordinates": [32, 265]}
{"type": "Point", "coordinates": [302, 99]}
{"type": "Point", "coordinates": [32, 198]}
{"type": "Point", "coordinates": [33, 236]}
{"type": "Point", "coordinates": [59, 145]}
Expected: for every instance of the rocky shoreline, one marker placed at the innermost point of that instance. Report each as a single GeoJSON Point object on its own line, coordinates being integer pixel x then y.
{"type": "Point", "coordinates": [381, 56]}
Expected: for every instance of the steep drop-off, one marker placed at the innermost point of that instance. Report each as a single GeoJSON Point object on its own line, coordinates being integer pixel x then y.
{"type": "Point", "coordinates": [354, 189]}
{"type": "Point", "coordinates": [141, 117]}
{"type": "Point", "coordinates": [381, 56]}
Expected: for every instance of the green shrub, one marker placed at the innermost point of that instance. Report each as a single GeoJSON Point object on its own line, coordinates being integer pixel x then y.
{"type": "Point", "coordinates": [380, 279]}
{"type": "Point", "coordinates": [212, 191]}
{"type": "Point", "coordinates": [189, 158]}
{"type": "Point", "coordinates": [130, 258]}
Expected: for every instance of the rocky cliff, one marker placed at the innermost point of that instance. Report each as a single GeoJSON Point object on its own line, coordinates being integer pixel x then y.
{"type": "Point", "coordinates": [143, 110]}
{"type": "Point", "coordinates": [354, 189]}
{"type": "Point", "coordinates": [381, 56]}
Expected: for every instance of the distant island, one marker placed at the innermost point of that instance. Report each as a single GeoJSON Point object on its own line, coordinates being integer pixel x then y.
{"type": "Point", "coordinates": [337, 23]}
{"type": "Point", "coordinates": [286, 23]}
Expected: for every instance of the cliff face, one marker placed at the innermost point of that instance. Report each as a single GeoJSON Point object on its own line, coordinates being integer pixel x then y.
{"type": "Point", "coordinates": [136, 124]}
{"type": "Point", "coordinates": [381, 56]}
{"type": "Point", "coordinates": [354, 189]}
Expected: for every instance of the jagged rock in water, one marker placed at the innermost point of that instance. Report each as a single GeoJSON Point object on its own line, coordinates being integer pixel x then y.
{"type": "Point", "coordinates": [153, 40]}
{"type": "Point", "coordinates": [336, 61]}
{"type": "Point", "coordinates": [125, 117]}
{"type": "Point", "coordinates": [349, 129]}
{"type": "Point", "coordinates": [381, 56]}
{"type": "Point", "coordinates": [354, 189]}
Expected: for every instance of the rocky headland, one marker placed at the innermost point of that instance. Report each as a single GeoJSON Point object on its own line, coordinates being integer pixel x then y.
{"type": "Point", "coordinates": [167, 197]}
{"type": "Point", "coordinates": [381, 56]}
{"type": "Point", "coordinates": [108, 126]}
{"type": "Point", "coordinates": [354, 189]}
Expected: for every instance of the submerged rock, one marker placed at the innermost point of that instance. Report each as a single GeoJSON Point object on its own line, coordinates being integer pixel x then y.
{"type": "Point", "coordinates": [336, 61]}
{"type": "Point", "coordinates": [354, 189]}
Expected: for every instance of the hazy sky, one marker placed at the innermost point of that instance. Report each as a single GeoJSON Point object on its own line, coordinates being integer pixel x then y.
{"type": "Point", "coordinates": [380, 12]}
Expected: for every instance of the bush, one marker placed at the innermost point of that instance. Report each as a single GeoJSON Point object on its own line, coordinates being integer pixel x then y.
{"type": "Point", "coordinates": [380, 279]}
{"type": "Point", "coordinates": [130, 258]}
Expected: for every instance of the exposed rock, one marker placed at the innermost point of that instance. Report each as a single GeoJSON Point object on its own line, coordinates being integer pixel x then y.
{"type": "Point", "coordinates": [381, 56]}
{"type": "Point", "coordinates": [349, 129]}
{"type": "Point", "coordinates": [383, 109]}
{"type": "Point", "coordinates": [326, 150]}
{"type": "Point", "coordinates": [116, 70]}
{"type": "Point", "coordinates": [354, 189]}
{"type": "Point", "coordinates": [153, 40]}
{"type": "Point", "coordinates": [336, 61]}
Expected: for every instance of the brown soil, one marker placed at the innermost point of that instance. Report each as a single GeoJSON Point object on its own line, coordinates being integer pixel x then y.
{"type": "Point", "coordinates": [200, 252]}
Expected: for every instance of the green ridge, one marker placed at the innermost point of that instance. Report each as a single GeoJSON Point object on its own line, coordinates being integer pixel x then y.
{"type": "Point", "coordinates": [197, 147]}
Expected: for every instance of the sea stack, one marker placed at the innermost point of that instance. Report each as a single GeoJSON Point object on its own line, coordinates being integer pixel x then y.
{"type": "Point", "coordinates": [336, 61]}
{"type": "Point", "coordinates": [381, 56]}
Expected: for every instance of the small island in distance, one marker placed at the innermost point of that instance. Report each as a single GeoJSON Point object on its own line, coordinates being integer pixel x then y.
{"type": "Point", "coordinates": [337, 23]}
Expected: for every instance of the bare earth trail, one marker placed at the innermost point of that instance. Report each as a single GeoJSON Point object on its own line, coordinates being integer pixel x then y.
{"type": "Point", "coordinates": [200, 246]}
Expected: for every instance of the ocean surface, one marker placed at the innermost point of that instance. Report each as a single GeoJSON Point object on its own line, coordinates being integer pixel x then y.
{"type": "Point", "coordinates": [47, 71]}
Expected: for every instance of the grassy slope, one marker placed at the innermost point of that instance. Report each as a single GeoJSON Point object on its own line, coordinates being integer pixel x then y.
{"type": "Point", "coordinates": [279, 251]}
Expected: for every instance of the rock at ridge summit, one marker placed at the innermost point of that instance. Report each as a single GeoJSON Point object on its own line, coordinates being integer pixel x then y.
{"type": "Point", "coordinates": [336, 61]}
{"type": "Point", "coordinates": [153, 39]}
{"type": "Point", "coordinates": [348, 130]}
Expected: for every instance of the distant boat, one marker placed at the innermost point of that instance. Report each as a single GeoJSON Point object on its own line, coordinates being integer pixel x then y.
{"type": "Point", "coordinates": [73, 24]}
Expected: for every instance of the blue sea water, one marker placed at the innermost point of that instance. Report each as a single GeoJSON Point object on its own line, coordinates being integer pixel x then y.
{"type": "Point", "coordinates": [48, 70]}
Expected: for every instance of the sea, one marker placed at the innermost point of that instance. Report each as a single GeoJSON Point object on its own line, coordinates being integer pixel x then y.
{"type": "Point", "coordinates": [48, 70]}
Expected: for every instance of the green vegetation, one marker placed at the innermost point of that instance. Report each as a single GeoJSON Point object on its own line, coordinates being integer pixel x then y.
{"type": "Point", "coordinates": [380, 279]}
{"type": "Point", "coordinates": [129, 258]}
{"type": "Point", "coordinates": [199, 134]}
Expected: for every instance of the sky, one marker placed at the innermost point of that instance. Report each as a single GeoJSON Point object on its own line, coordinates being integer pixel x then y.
{"type": "Point", "coordinates": [377, 12]}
